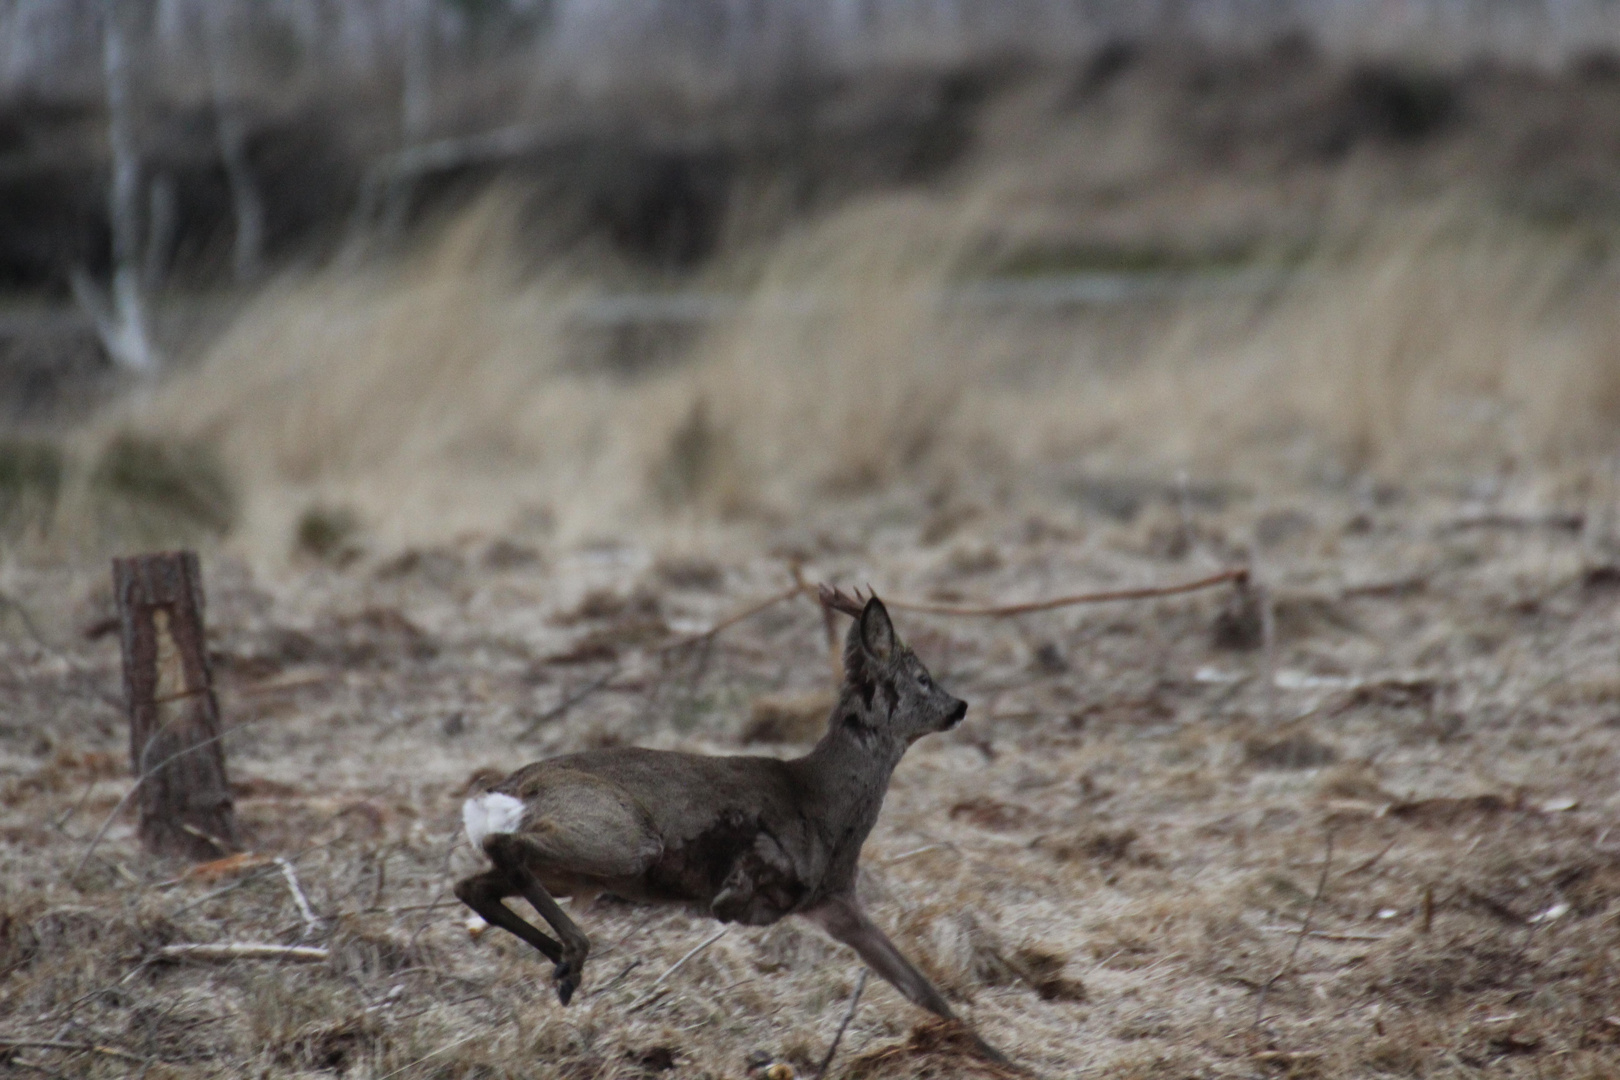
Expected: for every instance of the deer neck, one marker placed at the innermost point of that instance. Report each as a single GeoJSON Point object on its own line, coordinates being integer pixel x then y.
{"type": "Point", "coordinates": [848, 772]}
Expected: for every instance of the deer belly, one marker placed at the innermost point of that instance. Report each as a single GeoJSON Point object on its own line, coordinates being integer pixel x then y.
{"type": "Point", "coordinates": [741, 874]}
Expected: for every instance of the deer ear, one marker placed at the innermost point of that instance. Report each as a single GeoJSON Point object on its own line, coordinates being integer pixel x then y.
{"type": "Point", "coordinates": [877, 632]}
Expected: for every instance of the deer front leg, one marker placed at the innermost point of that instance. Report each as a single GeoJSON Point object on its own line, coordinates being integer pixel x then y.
{"type": "Point", "coordinates": [843, 919]}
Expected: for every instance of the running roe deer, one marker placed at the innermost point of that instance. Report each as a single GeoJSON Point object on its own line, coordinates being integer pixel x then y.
{"type": "Point", "coordinates": [746, 839]}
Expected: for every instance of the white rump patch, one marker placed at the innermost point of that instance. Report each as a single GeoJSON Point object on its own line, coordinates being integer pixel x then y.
{"type": "Point", "coordinates": [489, 813]}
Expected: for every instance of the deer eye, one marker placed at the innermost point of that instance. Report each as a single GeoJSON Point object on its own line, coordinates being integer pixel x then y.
{"type": "Point", "coordinates": [923, 680]}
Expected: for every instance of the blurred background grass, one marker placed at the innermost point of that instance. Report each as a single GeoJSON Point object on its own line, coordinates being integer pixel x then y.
{"type": "Point", "coordinates": [419, 269]}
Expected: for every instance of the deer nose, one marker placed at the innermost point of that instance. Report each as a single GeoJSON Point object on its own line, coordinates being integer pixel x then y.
{"type": "Point", "coordinates": [956, 714]}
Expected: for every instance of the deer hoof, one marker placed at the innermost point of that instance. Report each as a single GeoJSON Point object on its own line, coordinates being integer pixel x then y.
{"type": "Point", "coordinates": [566, 976]}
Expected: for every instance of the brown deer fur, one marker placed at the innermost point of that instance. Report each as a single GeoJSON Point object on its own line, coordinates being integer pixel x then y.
{"type": "Point", "coordinates": [744, 839]}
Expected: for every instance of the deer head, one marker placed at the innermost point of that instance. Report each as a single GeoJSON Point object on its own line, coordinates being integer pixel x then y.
{"type": "Point", "coordinates": [887, 691]}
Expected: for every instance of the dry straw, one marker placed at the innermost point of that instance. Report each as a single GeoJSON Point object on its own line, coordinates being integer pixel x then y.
{"type": "Point", "coordinates": [451, 394]}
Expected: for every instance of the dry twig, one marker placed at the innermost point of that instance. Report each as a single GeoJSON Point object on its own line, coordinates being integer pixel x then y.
{"type": "Point", "coordinates": [834, 599]}
{"type": "Point", "coordinates": [838, 1037]}
{"type": "Point", "coordinates": [1304, 929]}
{"type": "Point", "coordinates": [730, 621]}
{"type": "Point", "coordinates": [441, 1050]}
{"type": "Point", "coordinates": [244, 950]}
{"type": "Point", "coordinates": [112, 815]}
{"type": "Point", "coordinates": [840, 601]}
{"type": "Point", "coordinates": [557, 711]}
{"type": "Point", "coordinates": [81, 1047]}
{"type": "Point", "coordinates": [1363, 867]}
{"type": "Point", "coordinates": [647, 995]}
{"type": "Point", "coordinates": [311, 923]}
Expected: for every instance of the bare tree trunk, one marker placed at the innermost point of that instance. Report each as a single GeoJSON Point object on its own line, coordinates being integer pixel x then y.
{"type": "Point", "coordinates": [162, 221]}
{"type": "Point", "coordinates": [121, 319]}
{"type": "Point", "coordinates": [416, 104]}
{"type": "Point", "coordinates": [247, 251]}
{"type": "Point", "coordinates": [416, 97]}
{"type": "Point", "coordinates": [174, 728]}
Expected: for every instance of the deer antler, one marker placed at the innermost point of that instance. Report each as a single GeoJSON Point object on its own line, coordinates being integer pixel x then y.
{"type": "Point", "coordinates": [835, 599]}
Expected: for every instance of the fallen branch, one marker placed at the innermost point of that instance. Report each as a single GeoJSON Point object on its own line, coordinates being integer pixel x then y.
{"type": "Point", "coordinates": [1396, 588]}
{"type": "Point", "coordinates": [839, 601]}
{"type": "Point", "coordinates": [838, 1037]}
{"type": "Point", "coordinates": [1326, 935]}
{"type": "Point", "coordinates": [311, 923]}
{"type": "Point", "coordinates": [647, 995]}
{"type": "Point", "coordinates": [834, 599]}
{"type": "Point", "coordinates": [245, 950]}
{"type": "Point", "coordinates": [1564, 522]}
{"type": "Point", "coordinates": [81, 1047]}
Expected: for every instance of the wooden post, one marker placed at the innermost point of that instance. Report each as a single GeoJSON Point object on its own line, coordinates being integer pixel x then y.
{"type": "Point", "coordinates": [174, 745]}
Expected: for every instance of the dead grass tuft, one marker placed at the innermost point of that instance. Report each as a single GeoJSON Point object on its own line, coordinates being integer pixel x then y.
{"type": "Point", "coordinates": [935, 1048]}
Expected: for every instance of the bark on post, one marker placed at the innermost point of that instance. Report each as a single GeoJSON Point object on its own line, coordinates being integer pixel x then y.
{"type": "Point", "coordinates": [174, 728]}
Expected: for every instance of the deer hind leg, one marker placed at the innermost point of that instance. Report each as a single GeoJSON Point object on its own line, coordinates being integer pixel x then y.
{"type": "Point", "coordinates": [578, 832]}
{"type": "Point", "coordinates": [484, 893]}
{"type": "Point", "coordinates": [514, 856]}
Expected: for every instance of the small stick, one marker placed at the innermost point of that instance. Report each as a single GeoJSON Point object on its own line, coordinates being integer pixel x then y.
{"type": "Point", "coordinates": [1004, 611]}
{"type": "Point", "coordinates": [441, 1050]}
{"type": "Point", "coordinates": [1563, 522]}
{"type": "Point", "coordinates": [112, 815]}
{"type": "Point", "coordinates": [58, 1044]}
{"type": "Point", "coordinates": [568, 702]}
{"type": "Point", "coordinates": [838, 1037]}
{"type": "Point", "coordinates": [1304, 928]}
{"type": "Point", "coordinates": [1362, 868]}
{"type": "Point", "coordinates": [620, 977]}
{"type": "Point", "coordinates": [727, 623]}
{"type": "Point", "coordinates": [311, 923]}
{"type": "Point", "coordinates": [1327, 935]}
{"type": "Point", "coordinates": [205, 897]}
{"type": "Point", "coordinates": [205, 837]}
{"type": "Point", "coordinates": [834, 600]}
{"type": "Point", "coordinates": [647, 995]}
{"type": "Point", "coordinates": [1396, 588]}
{"type": "Point", "coordinates": [407, 908]}
{"type": "Point", "coordinates": [244, 950]}
{"type": "Point", "coordinates": [904, 855]}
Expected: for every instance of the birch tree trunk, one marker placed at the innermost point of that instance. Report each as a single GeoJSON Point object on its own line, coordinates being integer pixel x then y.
{"type": "Point", "coordinates": [247, 249]}
{"type": "Point", "coordinates": [121, 319]}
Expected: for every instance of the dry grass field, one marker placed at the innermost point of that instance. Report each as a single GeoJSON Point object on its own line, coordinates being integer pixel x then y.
{"type": "Point", "coordinates": [1364, 825]}
{"type": "Point", "coordinates": [1109, 866]}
